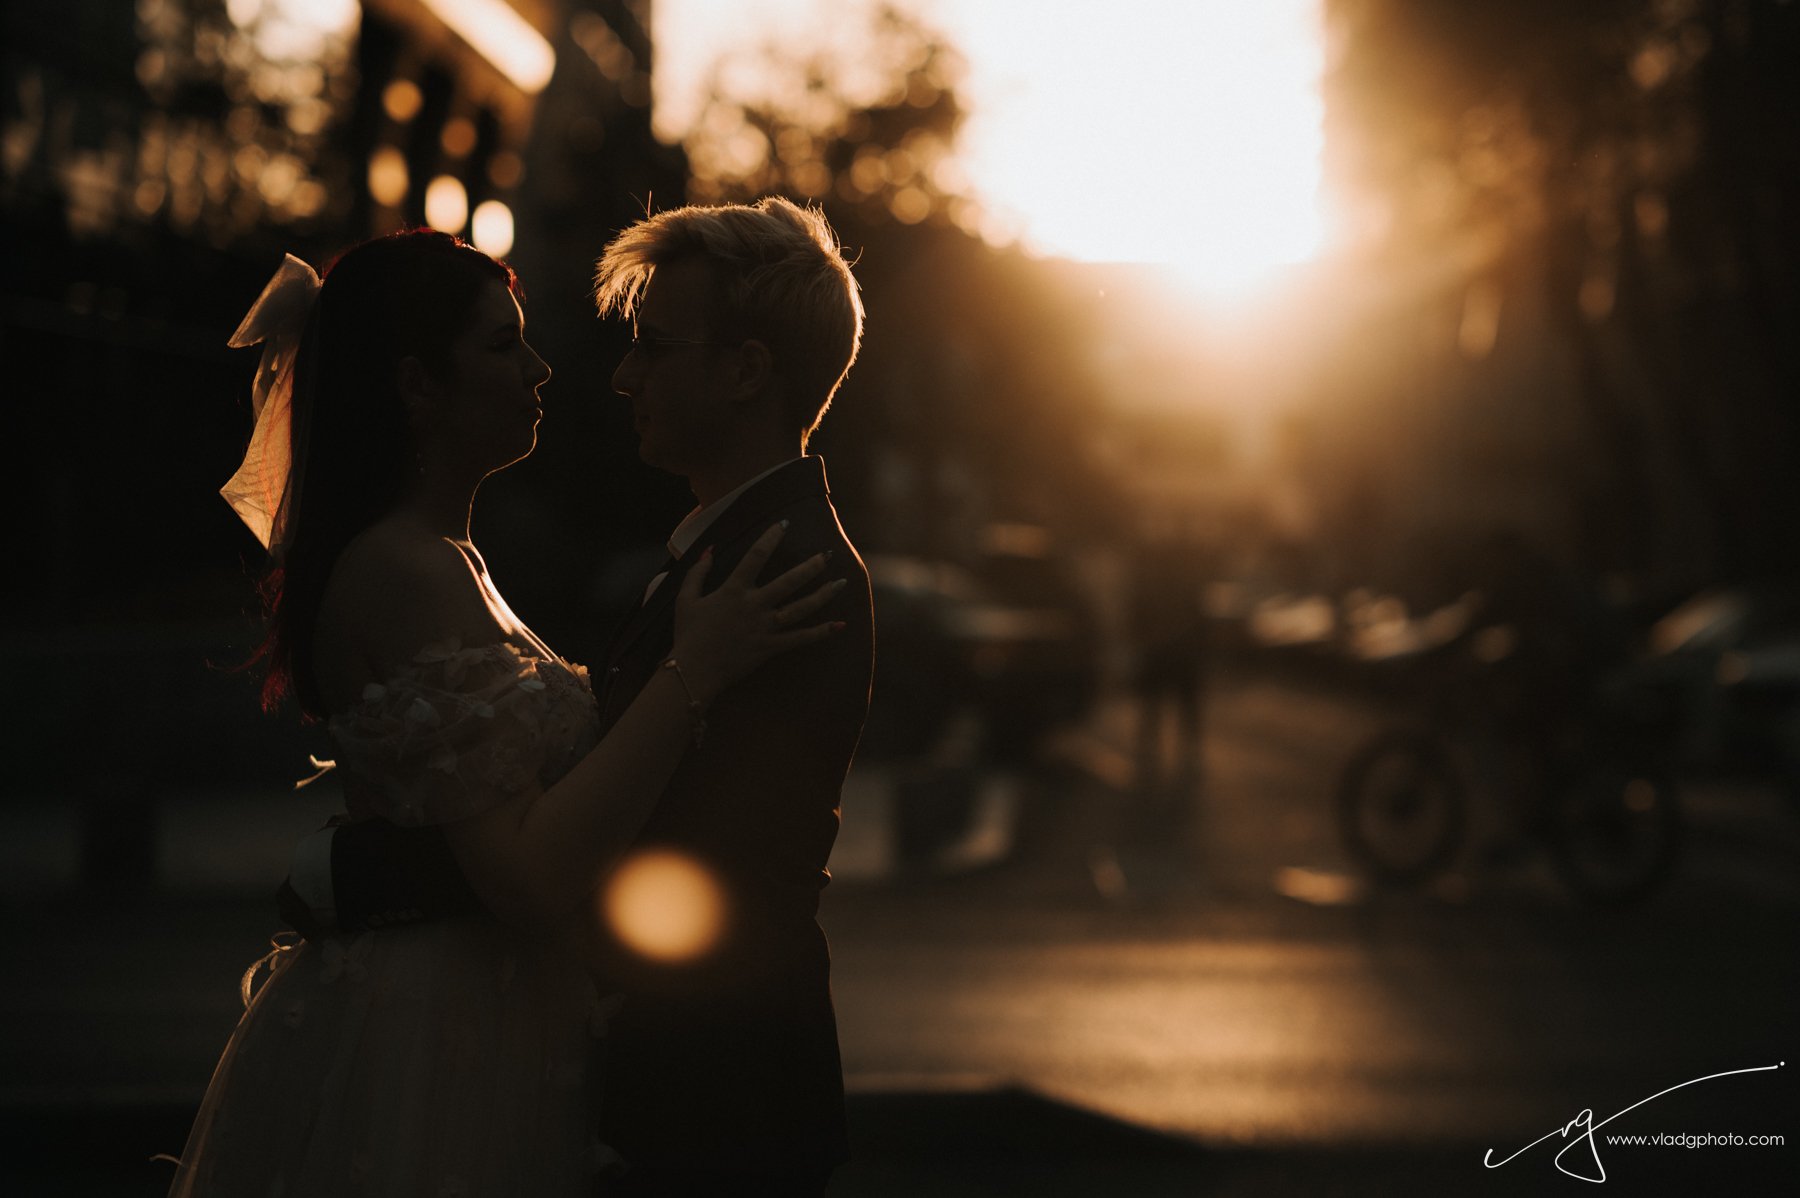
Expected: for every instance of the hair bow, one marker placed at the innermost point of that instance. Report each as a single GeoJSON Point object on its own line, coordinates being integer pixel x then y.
{"type": "Point", "coordinates": [262, 492]}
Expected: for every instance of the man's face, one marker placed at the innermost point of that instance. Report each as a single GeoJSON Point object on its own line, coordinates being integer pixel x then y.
{"type": "Point", "coordinates": [677, 378]}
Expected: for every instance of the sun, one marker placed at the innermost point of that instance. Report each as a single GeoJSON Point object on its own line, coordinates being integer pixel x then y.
{"type": "Point", "coordinates": [1185, 133]}
{"type": "Point", "coordinates": [1182, 132]}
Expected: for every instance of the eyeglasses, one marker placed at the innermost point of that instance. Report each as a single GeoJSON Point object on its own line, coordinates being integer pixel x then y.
{"type": "Point", "coordinates": [652, 346]}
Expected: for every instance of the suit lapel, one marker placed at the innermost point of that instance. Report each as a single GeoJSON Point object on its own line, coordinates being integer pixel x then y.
{"type": "Point", "coordinates": [759, 507]}
{"type": "Point", "coordinates": [651, 611]}
{"type": "Point", "coordinates": [748, 517]}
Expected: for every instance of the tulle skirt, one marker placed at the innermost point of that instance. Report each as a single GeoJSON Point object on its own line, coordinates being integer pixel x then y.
{"type": "Point", "coordinates": [444, 1060]}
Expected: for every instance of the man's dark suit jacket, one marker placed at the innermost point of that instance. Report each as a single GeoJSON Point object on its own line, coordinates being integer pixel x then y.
{"type": "Point", "coordinates": [731, 1061]}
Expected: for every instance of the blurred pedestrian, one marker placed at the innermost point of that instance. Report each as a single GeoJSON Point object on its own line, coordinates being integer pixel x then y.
{"type": "Point", "coordinates": [1168, 629]}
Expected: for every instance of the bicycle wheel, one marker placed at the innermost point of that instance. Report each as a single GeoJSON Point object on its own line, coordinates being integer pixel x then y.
{"type": "Point", "coordinates": [1615, 833]}
{"type": "Point", "coordinates": [1401, 805]}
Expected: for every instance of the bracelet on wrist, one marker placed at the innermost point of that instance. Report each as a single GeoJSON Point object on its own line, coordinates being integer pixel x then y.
{"type": "Point", "coordinates": [696, 709]}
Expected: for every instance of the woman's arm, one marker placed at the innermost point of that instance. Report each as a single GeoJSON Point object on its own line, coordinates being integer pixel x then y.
{"type": "Point", "coordinates": [537, 858]}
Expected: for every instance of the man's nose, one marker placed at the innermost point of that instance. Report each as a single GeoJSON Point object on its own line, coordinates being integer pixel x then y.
{"type": "Point", "coordinates": [625, 376]}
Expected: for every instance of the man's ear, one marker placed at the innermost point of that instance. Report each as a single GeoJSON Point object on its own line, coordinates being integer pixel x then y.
{"type": "Point", "coordinates": [755, 370]}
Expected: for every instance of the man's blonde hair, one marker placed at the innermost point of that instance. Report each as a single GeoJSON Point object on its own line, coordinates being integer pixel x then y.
{"type": "Point", "coordinates": [782, 281]}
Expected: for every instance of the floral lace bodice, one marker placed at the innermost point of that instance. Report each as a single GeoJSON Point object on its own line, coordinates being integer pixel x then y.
{"type": "Point", "coordinates": [459, 731]}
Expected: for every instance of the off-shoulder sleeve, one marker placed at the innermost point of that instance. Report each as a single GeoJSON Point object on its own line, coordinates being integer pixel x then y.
{"type": "Point", "coordinates": [455, 733]}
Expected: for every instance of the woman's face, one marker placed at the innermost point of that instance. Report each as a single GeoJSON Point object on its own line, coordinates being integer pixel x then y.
{"type": "Point", "coordinates": [490, 407]}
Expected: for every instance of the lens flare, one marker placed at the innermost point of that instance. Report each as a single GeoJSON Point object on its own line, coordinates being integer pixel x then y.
{"type": "Point", "coordinates": [665, 906]}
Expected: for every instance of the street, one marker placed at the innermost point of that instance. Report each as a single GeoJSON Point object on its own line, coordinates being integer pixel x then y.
{"type": "Point", "coordinates": [1225, 1012]}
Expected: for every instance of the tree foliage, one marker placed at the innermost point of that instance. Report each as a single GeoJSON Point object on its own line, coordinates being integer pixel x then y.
{"type": "Point", "coordinates": [863, 120]}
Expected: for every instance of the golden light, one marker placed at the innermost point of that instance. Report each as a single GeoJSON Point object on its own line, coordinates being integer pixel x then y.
{"type": "Point", "coordinates": [401, 100]}
{"type": "Point", "coordinates": [388, 179]}
{"type": "Point", "coordinates": [279, 178]}
{"type": "Point", "coordinates": [503, 37]}
{"type": "Point", "coordinates": [294, 30]}
{"type": "Point", "coordinates": [1194, 140]}
{"type": "Point", "coordinates": [1188, 133]}
{"type": "Point", "coordinates": [910, 205]}
{"type": "Point", "coordinates": [664, 905]}
{"type": "Point", "coordinates": [505, 170]}
{"type": "Point", "coordinates": [491, 228]}
{"type": "Point", "coordinates": [446, 204]}
{"type": "Point", "coordinates": [458, 136]}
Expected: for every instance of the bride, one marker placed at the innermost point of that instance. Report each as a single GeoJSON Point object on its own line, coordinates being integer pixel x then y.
{"type": "Point", "coordinates": [447, 1058]}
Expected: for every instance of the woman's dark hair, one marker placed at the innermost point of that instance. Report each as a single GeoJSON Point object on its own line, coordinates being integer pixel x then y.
{"type": "Point", "coordinates": [408, 294]}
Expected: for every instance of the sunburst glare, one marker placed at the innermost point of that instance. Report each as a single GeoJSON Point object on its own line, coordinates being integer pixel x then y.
{"type": "Point", "coordinates": [1182, 132]}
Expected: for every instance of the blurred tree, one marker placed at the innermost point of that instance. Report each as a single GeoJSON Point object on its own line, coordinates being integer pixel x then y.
{"type": "Point", "coordinates": [864, 120]}
{"type": "Point", "coordinates": [1633, 163]}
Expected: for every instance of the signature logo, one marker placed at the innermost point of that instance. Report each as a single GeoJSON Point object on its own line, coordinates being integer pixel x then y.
{"type": "Point", "coordinates": [1585, 1121]}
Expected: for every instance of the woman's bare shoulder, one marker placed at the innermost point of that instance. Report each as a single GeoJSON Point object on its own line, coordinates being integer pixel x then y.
{"type": "Point", "coordinates": [394, 590]}
{"type": "Point", "coordinates": [389, 552]}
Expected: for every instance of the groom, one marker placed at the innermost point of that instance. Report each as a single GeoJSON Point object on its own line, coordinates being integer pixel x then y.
{"type": "Point", "coordinates": [722, 1074]}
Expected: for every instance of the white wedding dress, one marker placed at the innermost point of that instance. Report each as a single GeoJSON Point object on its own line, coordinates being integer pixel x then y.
{"type": "Point", "coordinates": [447, 1059]}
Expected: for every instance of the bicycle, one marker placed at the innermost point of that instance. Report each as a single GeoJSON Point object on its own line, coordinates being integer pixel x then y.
{"type": "Point", "coordinates": [1586, 783]}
